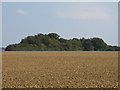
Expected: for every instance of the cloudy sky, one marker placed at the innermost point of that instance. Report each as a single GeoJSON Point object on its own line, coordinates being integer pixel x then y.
{"type": "Point", "coordinates": [68, 19]}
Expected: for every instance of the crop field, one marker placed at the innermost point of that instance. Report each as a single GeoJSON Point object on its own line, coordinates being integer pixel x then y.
{"type": "Point", "coordinates": [60, 69]}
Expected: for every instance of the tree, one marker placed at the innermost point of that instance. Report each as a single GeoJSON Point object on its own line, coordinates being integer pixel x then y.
{"type": "Point", "coordinates": [29, 40]}
{"type": "Point", "coordinates": [76, 44]}
{"type": "Point", "coordinates": [67, 45]}
{"type": "Point", "coordinates": [22, 47]}
{"type": "Point", "coordinates": [42, 47]}
{"type": "Point", "coordinates": [87, 45]}
{"type": "Point", "coordinates": [53, 35]}
{"type": "Point", "coordinates": [52, 42]}
{"type": "Point", "coordinates": [110, 48]}
{"type": "Point", "coordinates": [62, 40]}
{"type": "Point", "coordinates": [99, 44]}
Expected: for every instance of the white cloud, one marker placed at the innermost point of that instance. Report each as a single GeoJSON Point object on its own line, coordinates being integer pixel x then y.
{"type": "Point", "coordinates": [21, 12]}
{"type": "Point", "coordinates": [84, 12]}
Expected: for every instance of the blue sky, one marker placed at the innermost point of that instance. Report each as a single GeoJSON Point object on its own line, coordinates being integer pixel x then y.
{"type": "Point", "coordinates": [68, 19]}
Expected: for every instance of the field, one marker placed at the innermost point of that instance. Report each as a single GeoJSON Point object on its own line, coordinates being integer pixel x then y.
{"type": "Point", "coordinates": [60, 69]}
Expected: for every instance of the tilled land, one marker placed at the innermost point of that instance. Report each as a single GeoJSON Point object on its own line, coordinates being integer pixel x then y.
{"type": "Point", "coordinates": [60, 69]}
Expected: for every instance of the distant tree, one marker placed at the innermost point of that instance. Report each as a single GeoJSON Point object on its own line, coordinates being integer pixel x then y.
{"type": "Point", "coordinates": [53, 35]}
{"type": "Point", "coordinates": [87, 45]}
{"type": "Point", "coordinates": [99, 44]}
{"type": "Point", "coordinates": [52, 42]}
{"type": "Point", "coordinates": [76, 44]}
{"type": "Point", "coordinates": [82, 39]}
{"type": "Point", "coordinates": [9, 48]}
{"type": "Point", "coordinates": [116, 48]}
{"type": "Point", "coordinates": [42, 47]}
{"type": "Point", "coordinates": [63, 43]}
{"type": "Point", "coordinates": [22, 47]}
{"type": "Point", "coordinates": [62, 40]}
{"type": "Point", "coordinates": [110, 48]}
{"type": "Point", "coordinates": [67, 45]}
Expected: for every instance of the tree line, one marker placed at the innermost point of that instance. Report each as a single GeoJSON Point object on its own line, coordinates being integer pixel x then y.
{"type": "Point", "coordinates": [53, 42]}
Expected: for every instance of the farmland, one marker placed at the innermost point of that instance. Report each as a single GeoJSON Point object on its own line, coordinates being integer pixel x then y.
{"type": "Point", "coordinates": [60, 69]}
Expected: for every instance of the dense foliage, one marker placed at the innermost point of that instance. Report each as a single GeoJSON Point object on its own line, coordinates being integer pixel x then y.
{"type": "Point", "coordinates": [53, 42]}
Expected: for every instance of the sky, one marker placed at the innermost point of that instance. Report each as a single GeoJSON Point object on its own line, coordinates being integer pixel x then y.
{"type": "Point", "coordinates": [68, 19]}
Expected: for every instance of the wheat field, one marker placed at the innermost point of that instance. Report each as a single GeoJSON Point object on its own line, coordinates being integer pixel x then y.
{"type": "Point", "coordinates": [60, 69]}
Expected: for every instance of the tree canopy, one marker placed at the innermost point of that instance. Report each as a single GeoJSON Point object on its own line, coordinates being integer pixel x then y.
{"type": "Point", "coordinates": [53, 42]}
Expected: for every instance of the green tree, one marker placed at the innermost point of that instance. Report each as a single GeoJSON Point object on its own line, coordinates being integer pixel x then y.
{"type": "Point", "coordinates": [67, 45]}
{"type": "Point", "coordinates": [54, 44]}
{"type": "Point", "coordinates": [76, 44]}
{"type": "Point", "coordinates": [87, 45]}
{"type": "Point", "coordinates": [53, 35]}
{"type": "Point", "coordinates": [42, 47]}
{"type": "Point", "coordinates": [99, 44]}
{"type": "Point", "coordinates": [110, 48]}
{"type": "Point", "coordinates": [22, 47]}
